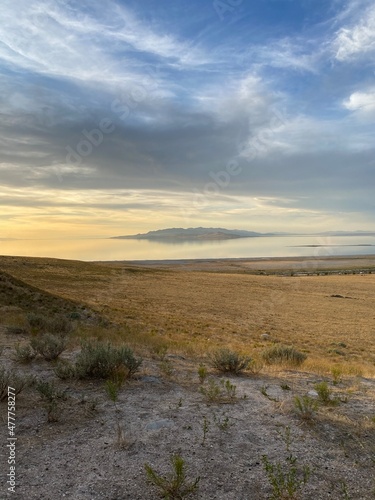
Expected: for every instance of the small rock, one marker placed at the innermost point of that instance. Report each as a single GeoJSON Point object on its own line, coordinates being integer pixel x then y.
{"type": "Point", "coordinates": [265, 336]}
{"type": "Point", "coordinates": [313, 394]}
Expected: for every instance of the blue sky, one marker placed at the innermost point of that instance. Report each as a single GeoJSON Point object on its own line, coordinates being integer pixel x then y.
{"type": "Point", "coordinates": [127, 116]}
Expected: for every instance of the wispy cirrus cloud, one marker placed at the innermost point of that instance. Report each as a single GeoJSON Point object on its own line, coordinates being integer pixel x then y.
{"type": "Point", "coordinates": [55, 39]}
{"type": "Point", "coordinates": [356, 39]}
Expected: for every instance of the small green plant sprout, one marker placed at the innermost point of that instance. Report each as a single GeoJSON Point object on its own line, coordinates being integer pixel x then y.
{"type": "Point", "coordinates": [51, 396]}
{"type": "Point", "coordinates": [112, 389]}
{"type": "Point", "coordinates": [336, 372]}
{"type": "Point", "coordinates": [119, 376]}
{"type": "Point", "coordinates": [176, 486]}
{"type": "Point", "coordinates": [227, 361]}
{"type": "Point", "coordinates": [166, 367]}
{"type": "Point", "coordinates": [305, 406]}
{"type": "Point", "coordinates": [324, 394]}
{"type": "Point", "coordinates": [286, 437]}
{"type": "Point", "coordinates": [212, 391]}
{"type": "Point", "coordinates": [24, 353]}
{"type": "Point", "coordinates": [283, 355]}
{"type": "Point", "coordinates": [202, 373]}
{"type": "Point", "coordinates": [223, 423]}
{"type": "Point", "coordinates": [230, 390]}
{"type": "Point", "coordinates": [205, 428]}
{"type": "Point", "coordinates": [224, 392]}
{"type": "Point", "coordinates": [286, 479]}
{"type": "Point", "coordinates": [161, 351]}
{"type": "Point", "coordinates": [344, 490]}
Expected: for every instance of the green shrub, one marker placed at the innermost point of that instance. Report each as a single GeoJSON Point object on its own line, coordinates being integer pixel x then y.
{"type": "Point", "coordinates": [202, 373]}
{"type": "Point", "coordinates": [286, 479]}
{"type": "Point", "coordinates": [324, 394]}
{"type": "Point", "coordinates": [12, 379]}
{"type": "Point", "coordinates": [37, 321]}
{"type": "Point", "coordinates": [224, 392]}
{"type": "Point", "coordinates": [281, 354]}
{"type": "Point", "coordinates": [336, 372]}
{"type": "Point", "coordinates": [51, 396]}
{"type": "Point", "coordinates": [58, 324]}
{"type": "Point", "coordinates": [227, 361]}
{"type": "Point", "coordinates": [48, 345]}
{"type": "Point", "coordinates": [65, 370]}
{"type": "Point", "coordinates": [100, 360]}
{"type": "Point", "coordinates": [24, 353]}
{"type": "Point", "coordinates": [48, 391]}
{"type": "Point", "coordinates": [305, 406]}
{"type": "Point", "coordinates": [174, 487]}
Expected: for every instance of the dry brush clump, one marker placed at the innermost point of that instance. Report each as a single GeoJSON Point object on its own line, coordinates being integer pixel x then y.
{"type": "Point", "coordinates": [305, 407]}
{"type": "Point", "coordinates": [48, 345]}
{"type": "Point", "coordinates": [11, 378]}
{"type": "Point", "coordinates": [23, 353]}
{"type": "Point", "coordinates": [227, 361]}
{"type": "Point", "coordinates": [51, 396]}
{"type": "Point", "coordinates": [222, 392]}
{"type": "Point", "coordinates": [57, 324]}
{"type": "Point", "coordinates": [101, 360]}
{"type": "Point", "coordinates": [283, 355]}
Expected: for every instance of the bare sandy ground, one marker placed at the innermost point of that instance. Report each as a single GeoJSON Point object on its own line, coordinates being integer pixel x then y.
{"type": "Point", "coordinates": [78, 457]}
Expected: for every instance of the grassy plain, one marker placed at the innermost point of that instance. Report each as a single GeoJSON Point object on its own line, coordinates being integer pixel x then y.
{"type": "Point", "coordinates": [193, 308]}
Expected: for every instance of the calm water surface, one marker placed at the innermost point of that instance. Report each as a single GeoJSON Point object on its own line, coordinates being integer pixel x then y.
{"type": "Point", "coordinates": [106, 249]}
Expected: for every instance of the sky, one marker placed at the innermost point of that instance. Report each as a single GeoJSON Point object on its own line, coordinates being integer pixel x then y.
{"type": "Point", "coordinates": [121, 117]}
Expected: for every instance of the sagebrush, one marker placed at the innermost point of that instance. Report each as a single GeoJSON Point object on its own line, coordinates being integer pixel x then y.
{"type": "Point", "coordinates": [281, 354]}
{"type": "Point", "coordinates": [101, 360]}
{"type": "Point", "coordinates": [227, 361]}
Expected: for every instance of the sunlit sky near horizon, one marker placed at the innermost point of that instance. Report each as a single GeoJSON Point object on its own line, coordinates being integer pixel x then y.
{"type": "Point", "coordinates": [121, 117]}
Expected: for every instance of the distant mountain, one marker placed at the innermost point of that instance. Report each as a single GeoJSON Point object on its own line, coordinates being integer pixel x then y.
{"type": "Point", "coordinates": [193, 233]}
{"type": "Point", "coordinates": [219, 233]}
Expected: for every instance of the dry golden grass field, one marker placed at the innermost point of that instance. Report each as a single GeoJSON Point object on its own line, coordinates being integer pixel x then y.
{"type": "Point", "coordinates": [197, 307]}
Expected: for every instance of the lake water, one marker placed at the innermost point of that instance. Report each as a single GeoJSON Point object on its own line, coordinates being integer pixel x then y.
{"type": "Point", "coordinates": [107, 249]}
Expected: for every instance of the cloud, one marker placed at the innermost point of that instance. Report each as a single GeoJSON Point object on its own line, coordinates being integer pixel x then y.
{"type": "Point", "coordinates": [362, 103]}
{"type": "Point", "coordinates": [357, 40]}
{"type": "Point", "coordinates": [295, 54]}
{"type": "Point", "coordinates": [57, 39]}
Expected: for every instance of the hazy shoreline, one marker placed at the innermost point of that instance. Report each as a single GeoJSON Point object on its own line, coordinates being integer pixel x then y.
{"type": "Point", "coordinates": [310, 264]}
